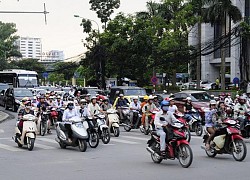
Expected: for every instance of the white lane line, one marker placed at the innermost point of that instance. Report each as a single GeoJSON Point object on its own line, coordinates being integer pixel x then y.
{"type": "Point", "coordinates": [10, 148]}
{"type": "Point", "coordinates": [1, 131]}
{"type": "Point", "coordinates": [123, 141]}
{"type": "Point", "coordinates": [5, 138]}
{"type": "Point", "coordinates": [107, 144]}
{"type": "Point", "coordinates": [43, 146]}
{"type": "Point", "coordinates": [136, 138]}
{"type": "Point", "coordinates": [47, 140]}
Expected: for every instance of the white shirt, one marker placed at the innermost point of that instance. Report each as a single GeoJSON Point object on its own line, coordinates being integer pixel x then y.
{"type": "Point", "coordinates": [67, 114]}
{"type": "Point", "coordinates": [169, 119]}
{"type": "Point", "coordinates": [93, 109]}
{"type": "Point", "coordinates": [173, 108]}
{"type": "Point", "coordinates": [135, 106]}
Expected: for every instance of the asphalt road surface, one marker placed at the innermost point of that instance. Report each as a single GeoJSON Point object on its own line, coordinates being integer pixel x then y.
{"type": "Point", "coordinates": [124, 157]}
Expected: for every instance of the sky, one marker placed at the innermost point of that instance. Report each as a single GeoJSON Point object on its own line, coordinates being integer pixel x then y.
{"type": "Point", "coordinates": [63, 31]}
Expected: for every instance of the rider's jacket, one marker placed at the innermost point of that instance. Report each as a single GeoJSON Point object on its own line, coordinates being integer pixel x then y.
{"type": "Point", "coordinates": [173, 108]}
{"type": "Point", "coordinates": [210, 118]}
{"type": "Point", "coordinates": [240, 110]}
{"type": "Point", "coordinates": [67, 114]}
{"type": "Point", "coordinates": [168, 119]}
{"type": "Point", "coordinates": [148, 107]}
{"type": "Point", "coordinates": [228, 101]}
{"type": "Point", "coordinates": [93, 109]}
{"type": "Point", "coordinates": [134, 106]}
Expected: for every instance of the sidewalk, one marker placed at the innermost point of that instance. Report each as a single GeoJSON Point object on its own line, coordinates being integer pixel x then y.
{"type": "Point", "coordinates": [3, 116]}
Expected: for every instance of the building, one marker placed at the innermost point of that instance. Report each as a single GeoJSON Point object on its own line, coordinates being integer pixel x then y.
{"type": "Point", "coordinates": [52, 56]}
{"type": "Point", "coordinates": [30, 47]}
{"type": "Point", "coordinates": [210, 64]}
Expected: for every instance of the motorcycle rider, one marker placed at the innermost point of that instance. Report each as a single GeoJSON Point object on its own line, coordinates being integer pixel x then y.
{"type": "Point", "coordinates": [134, 108]}
{"type": "Point", "coordinates": [22, 112]}
{"type": "Point", "coordinates": [239, 111]}
{"type": "Point", "coordinates": [83, 108]}
{"type": "Point", "coordinates": [228, 100]}
{"type": "Point", "coordinates": [162, 119]}
{"type": "Point", "coordinates": [188, 107]}
{"type": "Point", "coordinates": [145, 101]}
{"type": "Point", "coordinates": [121, 103]}
{"type": "Point", "coordinates": [93, 107]}
{"type": "Point", "coordinates": [156, 102]}
{"type": "Point", "coordinates": [58, 102]}
{"type": "Point", "coordinates": [222, 114]}
{"type": "Point", "coordinates": [105, 104]}
{"type": "Point", "coordinates": [43, 106]}
{"type": "Point", "coordinates": [70, 112]}
{"type": "Point", "coordinates": [148, 108]}
{"type": "Point", "coordinates": [210, 122]}
{"type": "Point", "coordinates": [172, 107]}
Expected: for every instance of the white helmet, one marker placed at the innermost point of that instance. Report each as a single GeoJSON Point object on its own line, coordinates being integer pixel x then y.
{"type": "Point", "coordinates": [213, 102]}
{"type": "Point", "coordinates": [188, 99]}
{"type": "Point", "coordinates": [93, 97]}
{"type": "Point", "coordinates": [151, 97]}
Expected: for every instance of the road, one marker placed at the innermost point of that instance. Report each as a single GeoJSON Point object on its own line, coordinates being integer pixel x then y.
{"type": "Point", "coordinates": [124, 157]}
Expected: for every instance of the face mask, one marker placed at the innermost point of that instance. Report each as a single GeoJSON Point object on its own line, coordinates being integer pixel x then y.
{"type": "Point", "coordinates": [164, 108]}
{"type": "Point", "coordinates": [71, 107]}
{"type": "Point", "coordinates": [28, 107]}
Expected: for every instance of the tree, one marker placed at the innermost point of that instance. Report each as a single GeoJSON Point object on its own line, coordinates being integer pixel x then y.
{"type": "Point", "coordinates": [104, 9]}
{"type": "Point", "coordinates": [7, 43]}
{"type": "Point", "coordinates": [217, 11]}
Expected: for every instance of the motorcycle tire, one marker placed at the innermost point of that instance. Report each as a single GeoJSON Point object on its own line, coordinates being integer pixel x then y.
{"type": "Point", "coordinates": [187, 134]}
{"type": "Point", "coordinates": [95, 143]}
{"type": "Point", "coordinates": [156, 159]}
{"type": "Point", "coordinates": [82, 145]}
{"type": "Point", "coordinates": [105, 136]}
{"type": "Point", "coordinates": [30, 143]}
{"type": "Point", "coordinates": [240, 152]}
{"type": "Point", "coordinates": [211, 152]}
{"type": "Point", "coordinates": [62, 145]}
{"type": "Point", "coordinates": [127, 126]}
{"type": "Point", "coordinates": [185, 155]}
{"type": "Point", "coordinates": [42, 129]}
{"type": "Point", "coordinates": [198, 129]}
{"type": "Point", "coordinates": [116, 131]}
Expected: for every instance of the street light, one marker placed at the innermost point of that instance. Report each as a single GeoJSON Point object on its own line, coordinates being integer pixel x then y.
{"type": "Point", "coordinates": [98, 27]}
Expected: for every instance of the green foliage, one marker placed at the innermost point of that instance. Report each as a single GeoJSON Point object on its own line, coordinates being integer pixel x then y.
{"type": "Point", "coordinates": [7, 46]}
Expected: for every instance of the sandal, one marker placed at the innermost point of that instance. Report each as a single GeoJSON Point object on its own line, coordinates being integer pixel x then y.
{"type": "Point", "coordinates": [207, 147]}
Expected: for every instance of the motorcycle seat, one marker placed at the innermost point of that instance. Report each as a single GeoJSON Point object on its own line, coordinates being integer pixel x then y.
{"type": "Point", "coordinates": [154, 133]}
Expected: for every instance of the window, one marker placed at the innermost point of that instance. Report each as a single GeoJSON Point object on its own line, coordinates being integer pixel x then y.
{"type": "Point", "coordinates": [217, 37]}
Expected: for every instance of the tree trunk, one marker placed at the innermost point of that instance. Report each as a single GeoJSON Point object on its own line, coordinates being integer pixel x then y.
{"type": "Point", "coordinates": [198, 67]}
{"type": "Point", "coordinates": [174, 78]}
{"type": "Point", "coordinates": [223, 54]}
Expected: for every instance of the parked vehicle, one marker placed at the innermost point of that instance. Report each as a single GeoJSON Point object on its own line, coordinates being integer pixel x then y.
{"type": "Point", "coordinates": [29, 129]}
{"type": "Point", "coordinates": [79, 134]}
{"type": "Point", "coordinates": [227, 141]}
{"type": "Point", "coordinates": [13, 97]}
{"type": "Point", "coordinates": [176, 146]}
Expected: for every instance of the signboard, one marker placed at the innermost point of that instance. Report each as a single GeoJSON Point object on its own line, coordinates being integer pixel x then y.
{"type": "Point", "coordinates": [154, 80]}
{"type": "Point", "coordinates": [236, 80]}
{"type": "Point", "coordinates": [45, 75]}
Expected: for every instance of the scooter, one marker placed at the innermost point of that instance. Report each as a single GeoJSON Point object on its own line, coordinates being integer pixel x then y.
{"type": "Point", "coordinates": [53, 116]}
{"type": "Point", "coordinates": [136, 121]}
{"type": "Point", "coordinates": [79, 134]}
{"type": "Point", "coordinates": [102, 128]}
{"type": "Point", "coordinates": [176, 146]}
{"type": "Point", "coordinates": [195, 124]}
{"type": "Point", "coordinates": [28, 134]}
{"type": "Point", "coordinates": [246, 131]}
{"type": "Point", "coordinates": [227, 141]}
{"type": "Point", "coordinates": [113, 122]}
{"type": "Point", "coordinates": [43, 122]}
{"type": "Point", "coordinates": [180, 117]}
{"type": "Point", "coordinates": [92, 132]}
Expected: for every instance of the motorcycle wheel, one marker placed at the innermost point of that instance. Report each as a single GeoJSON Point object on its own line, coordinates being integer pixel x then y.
{"type": "Point", "coordinates": [62, 145]}
{"type": "Point", "coordinates": [93, 139]}
{"type": "Point", "coordinates": [198, 130]}
{"type": "Point", "coordinates": [127, 126]}
{"type": "Point", "coordinates": [156, 159]}
{"type": "Point", "coordinates": [141, 129]}
{"type": "Point", "coordinates": [30, 143]}
{"type": "Point", "coordinates": [116, 131]}
{"type": "Point", "coordinates": [185, 155]}
{"type": "Point", "coordinates": [105, 136]}
{"type": "Point", "coordinates": [187, 134]}
{"type": "Point", "coordinates": [82, 145]}
{"type": "Point", "coordinates": [42, 129]}
{"type": "Point", "coordinates": [240, 152]}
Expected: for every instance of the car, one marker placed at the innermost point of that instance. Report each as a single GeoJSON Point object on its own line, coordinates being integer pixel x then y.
{"type": "Point", "coordinates": [207, 85]}
{"type": "Point", "coordinates": [3, 86]}
{"type": "Point", "coordinates": [13, 97]}
{"type": "Point", "coordinates": [200, 100]}
{"type": "Point", "coordinates": [126, 91]}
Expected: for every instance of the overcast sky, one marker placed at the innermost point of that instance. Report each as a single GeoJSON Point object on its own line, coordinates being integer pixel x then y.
{"type": "Point", "coordinates": [63, 31]}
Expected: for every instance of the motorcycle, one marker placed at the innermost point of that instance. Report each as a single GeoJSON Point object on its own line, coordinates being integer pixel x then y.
{"type": "Point", "coordinates": [102, 128]}
{"type": "Point", "coordinates": [227, 141]}
{"type": "Point", "coordinates": [43, 122]}
{"type": "Point", "coordinates": [176, 146]}
{"type": "Point", "coordinates": [180, 117]}
{"type": "Point", "coordinates": [53, 116]}
{"type": "Point", "coordinates": [28, 133]}
{"type": "Point", "coordinates": [126, 121]}
{"type": "Point", "coordinates": [135, 124]}
{"type": "Point", "coordinates": [79, 134]}
{"type": "Point", "coordinates": [246, 131]}
{"type": "Point", "coordinates": [149, 127]}
{"type": "Point", "coordinates": [93, 140]}
{"type": "Point", "coordinates": [113, 122]}
{"type": "Point", "coordinates": [195, 124]}
{"type": "Point", "coordinates": [230, 109]}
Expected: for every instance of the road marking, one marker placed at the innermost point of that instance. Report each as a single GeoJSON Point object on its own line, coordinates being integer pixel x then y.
{"type": "Point", "coordinates": [1, 131]}
{"type": "Point", "coordinates": [43, 146]}
{"type": "Point", "coordinates": [136, 138]}
{"type": "Point", "coordinates": [47, 140]}
{"type": "Point", "coordinates": [124, 141]}
{"type": "Point", "coordinates": [5, 138]}
{"type": "Point", "coordinates": [10, 148]}
{"type": "Point", "coordinates": [108, 144]}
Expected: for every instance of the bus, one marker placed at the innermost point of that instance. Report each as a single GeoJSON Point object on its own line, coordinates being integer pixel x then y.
{"type": "Point", "coordinates": [19, 78]}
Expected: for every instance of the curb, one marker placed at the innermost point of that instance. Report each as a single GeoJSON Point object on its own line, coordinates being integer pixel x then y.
{"type": "Point", "coordinates": [3, 116]}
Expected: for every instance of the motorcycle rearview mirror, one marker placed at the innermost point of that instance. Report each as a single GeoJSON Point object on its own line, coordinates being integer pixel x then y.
{"type": "Point", "coordinates": [162, 118]}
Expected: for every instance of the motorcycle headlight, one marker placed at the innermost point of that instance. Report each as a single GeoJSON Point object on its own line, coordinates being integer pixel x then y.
{"type": "Point", "coordinates": [17, 101]}
{"type": "Point", "coordinates": [79, 125]}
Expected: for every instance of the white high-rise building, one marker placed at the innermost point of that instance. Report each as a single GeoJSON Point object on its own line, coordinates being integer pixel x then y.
{"type": "Point", "coordinates": [30, 47]}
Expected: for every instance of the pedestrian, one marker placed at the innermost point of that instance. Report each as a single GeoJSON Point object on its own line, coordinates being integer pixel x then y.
{"type": "Point", "coordinates": [217, 82]}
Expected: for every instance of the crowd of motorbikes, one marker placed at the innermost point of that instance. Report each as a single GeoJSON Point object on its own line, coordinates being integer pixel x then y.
{"type": "Point", "coordinates": [90, 130]}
